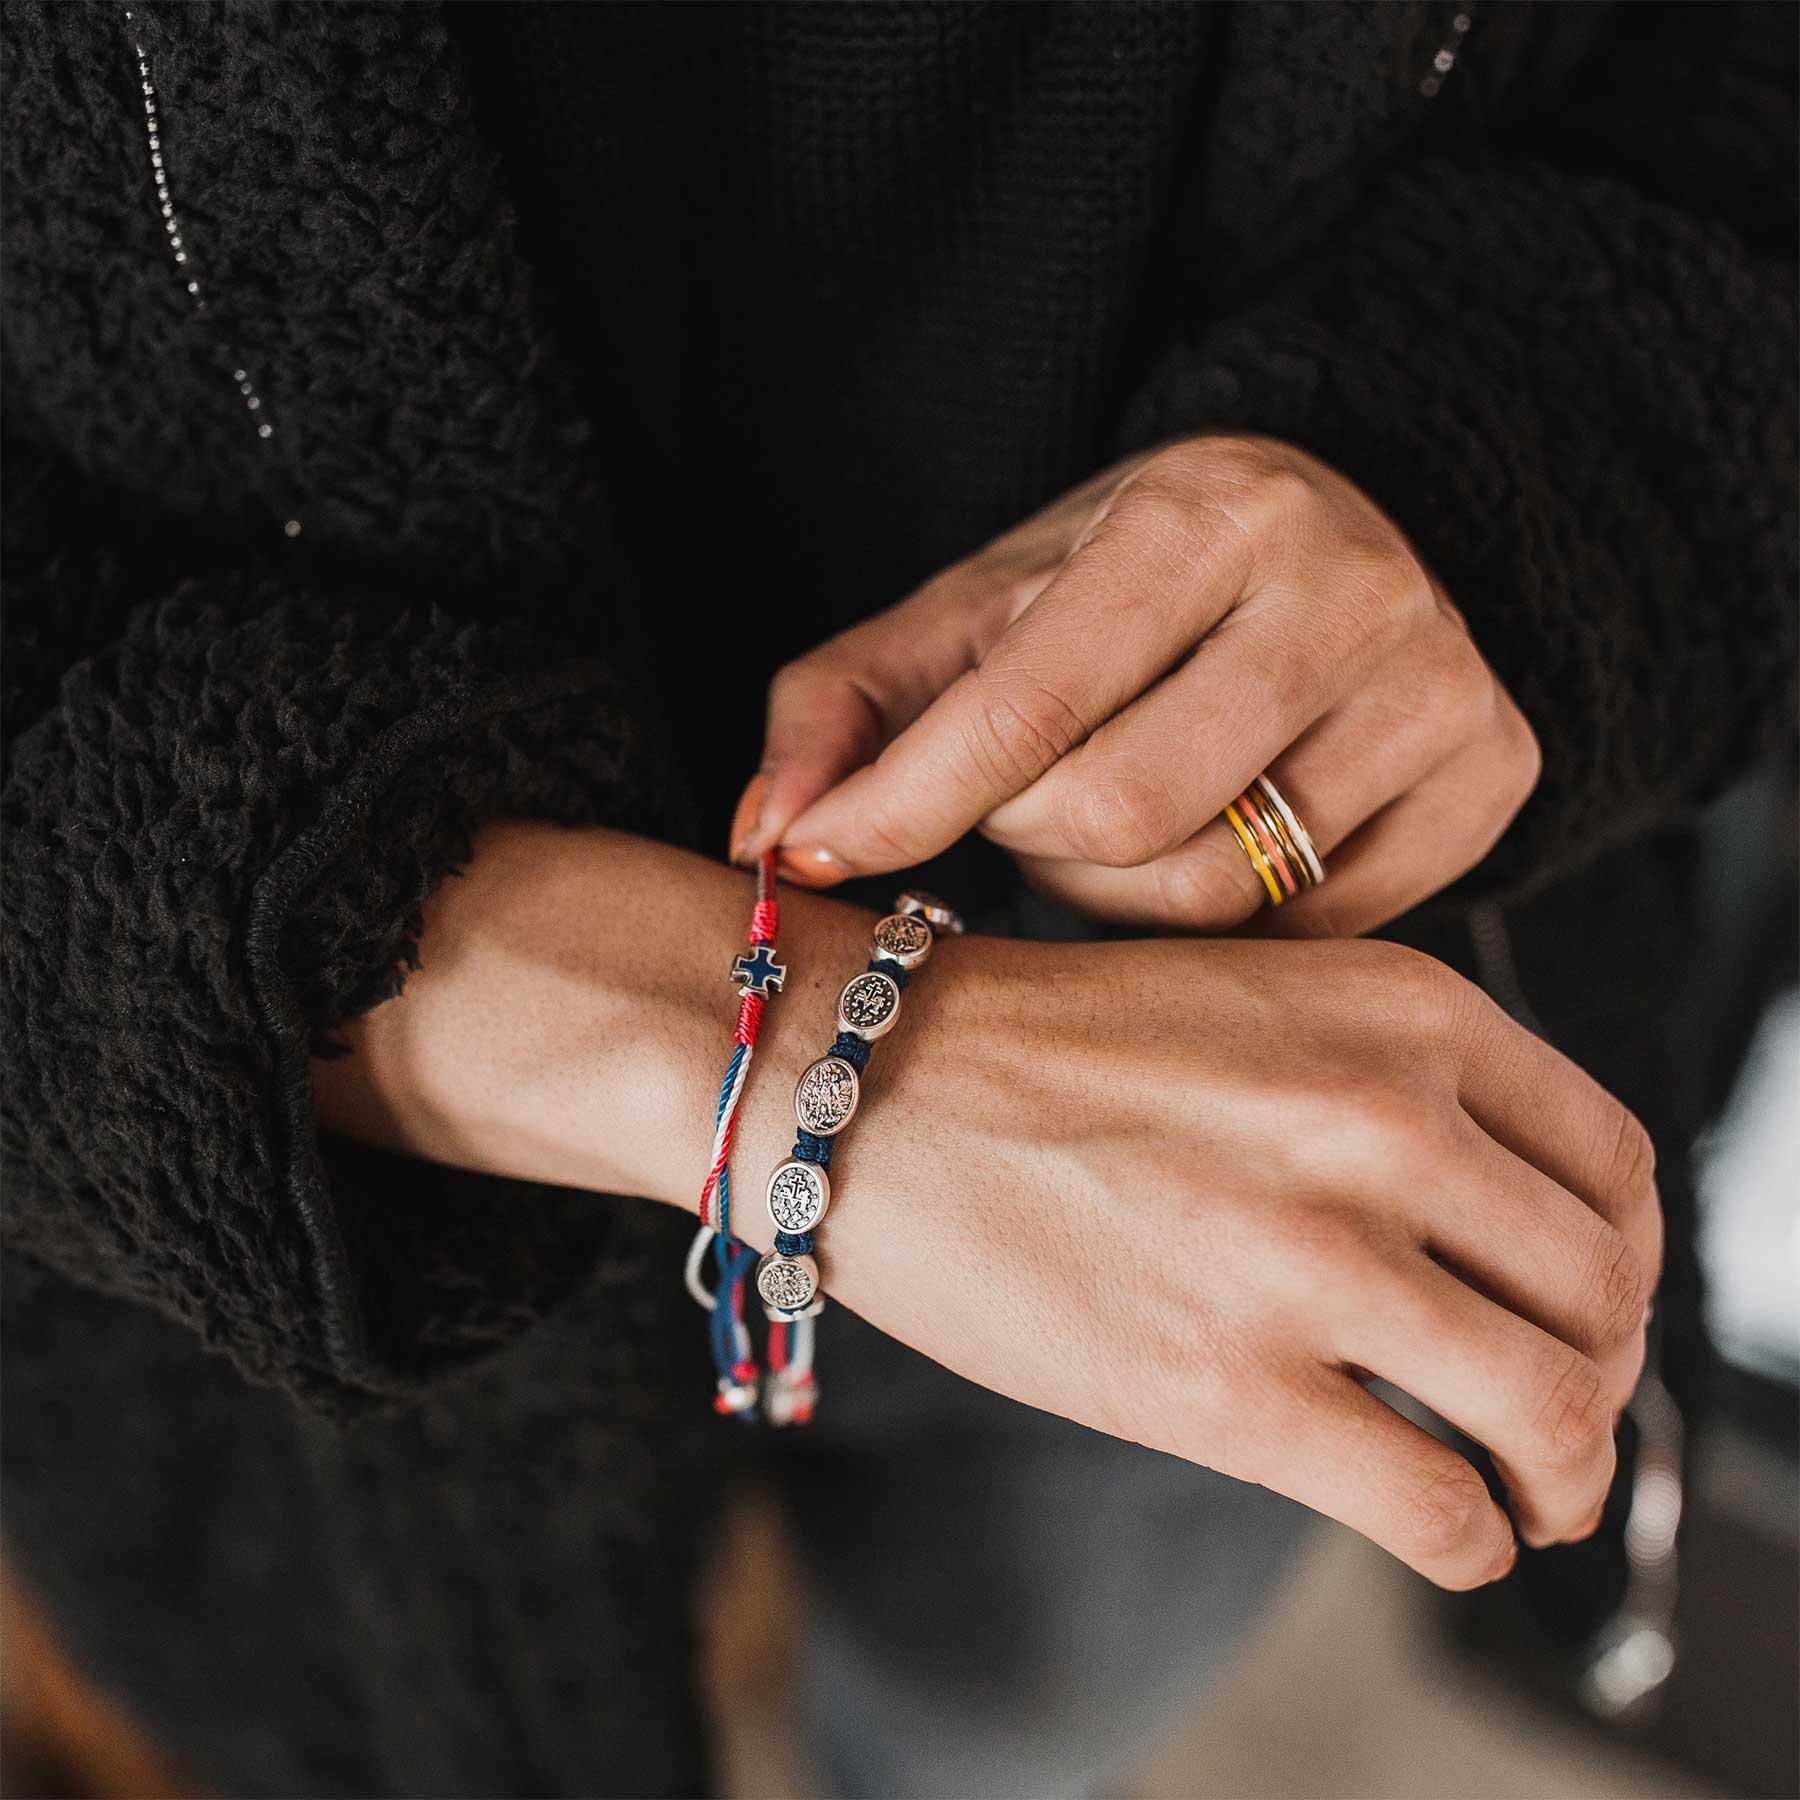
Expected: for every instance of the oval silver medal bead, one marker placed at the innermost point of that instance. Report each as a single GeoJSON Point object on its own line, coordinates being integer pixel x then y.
{"type": "Point", "coordinates": [825, 1096]}
{"type": "Point", "coordinates": [903, 939]}
{"type": "Point", "coordinates": [788, 1283]}
{"type": "Point", "coordinates": [799, 1195]}
{"type": "Point", "coordinates": [869, 1005]}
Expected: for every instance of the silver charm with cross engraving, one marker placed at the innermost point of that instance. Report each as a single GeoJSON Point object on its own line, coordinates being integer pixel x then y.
{"type": "Point", "coordinates": [869, 1005]}
{"type": "Point", "coordinates": [799, 1195]}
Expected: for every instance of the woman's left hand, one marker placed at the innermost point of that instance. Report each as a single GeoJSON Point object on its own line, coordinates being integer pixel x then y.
{"type": "Point", "coordinates": [1093, 688]}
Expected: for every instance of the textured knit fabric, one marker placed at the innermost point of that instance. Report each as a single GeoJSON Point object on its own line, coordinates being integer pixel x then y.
{"type": "Point", "coordinates": [1545, 318]}
{"type": "Point", "coordinates": [586, 333]}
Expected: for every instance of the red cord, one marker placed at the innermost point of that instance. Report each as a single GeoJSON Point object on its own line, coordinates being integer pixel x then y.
{"type": "Point", "coordinates": [750, 1018]}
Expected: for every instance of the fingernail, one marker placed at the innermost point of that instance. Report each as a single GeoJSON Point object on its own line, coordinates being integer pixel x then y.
{"type": "Point", "coordinates": [747, 833]}
{"type": "Point", "coordinates": [810, 865]}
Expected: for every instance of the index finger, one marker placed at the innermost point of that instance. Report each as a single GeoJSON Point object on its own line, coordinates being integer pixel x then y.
{"type": "Point", "coordinates": [1153, 577]}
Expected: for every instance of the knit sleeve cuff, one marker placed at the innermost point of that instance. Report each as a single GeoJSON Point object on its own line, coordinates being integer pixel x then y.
{"type": "Point", "coordinates": [221, 838]}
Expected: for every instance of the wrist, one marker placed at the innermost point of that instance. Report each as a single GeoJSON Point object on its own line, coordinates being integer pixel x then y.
{"type": "Point", "coordinates": [888, 1167]}
{"type": "Point", "coordinates": [533, 1040]}
{"type": "Point", "coordinates": [822, 943]}
{"type": "Point", "coordinates": [572, 1015]}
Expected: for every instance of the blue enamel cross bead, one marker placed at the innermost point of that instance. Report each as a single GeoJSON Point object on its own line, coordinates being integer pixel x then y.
{"type": "Point", "coordinates": [758, 972]}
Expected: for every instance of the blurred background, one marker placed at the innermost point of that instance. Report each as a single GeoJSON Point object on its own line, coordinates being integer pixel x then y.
{"type": "Point", "coordinates": [1659, 1660]}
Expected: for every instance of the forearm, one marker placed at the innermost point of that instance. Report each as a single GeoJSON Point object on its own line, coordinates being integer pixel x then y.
{"type": "Point", "coordinates": [571, 1016]}
{"type": "Point", "coordinates": [1173, 1191]}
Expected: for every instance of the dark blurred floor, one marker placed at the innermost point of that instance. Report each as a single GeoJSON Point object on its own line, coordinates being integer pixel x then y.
{"type": "Point", "coordinates": [1346, 1692]}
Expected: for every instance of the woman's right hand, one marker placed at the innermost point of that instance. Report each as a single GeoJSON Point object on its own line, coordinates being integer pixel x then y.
{"type": "Point", "coordinates": [1191, 1192]}
{"type": "Point", "coordinates": [1197, 1193]}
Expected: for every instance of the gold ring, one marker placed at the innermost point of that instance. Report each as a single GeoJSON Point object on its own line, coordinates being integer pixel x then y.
{"type": "Point", "coordinates": [1253, 850]}
{"type": "Point", "coordinates": [1277, 844]}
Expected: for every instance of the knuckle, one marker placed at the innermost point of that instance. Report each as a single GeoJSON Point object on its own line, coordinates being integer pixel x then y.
{"type": "Point", "coordinates": [1464, 682]}
{"type": "Point", "coordinates": [1321, 663]}
{"type": "Point", "coordinates": [1441, 1515]}
{"type": "Point", "coordinates": [1209, 465]}
{"type": "Point", "coordinates": [1635, 1373]}
{"type": "Point", "coordinates": [1119, 821]}
{"type": "Point", "coordinates": [1420, 1135]}
{"type": "Point", "coordinates": [1159, 504]}
{"type": "Point", "coordinates": [987, 584]}
{"type": "Point", "coordinates": [1618, 1289]}
{"type": "Point", "coordinates": [790, 677]}
{"type": "Point", "coordinates": [1323, 1248]}
{"type": "Point", "coordinates": [1235, 456]}
{"type": "Point", "coordinates": [1243, 482]}
{"type": "Point", "coordinates": [1021, 728]}
{"type": "Point", "coordinates": [1632, 1163]}
{"type": "Point", "coordinates": [1369, 971]}
{"type": "Point", "coordinates": [1573, 1419]}
{"type": "Point", "coordinates": [1279, 496]}
{"type": "Point", "coordinates": [1416, 594]}
{"type": "Point", "coordinates": [1010, 592]}
{"type": "Point", "coordinates": [1371, 1126]}
{"type": "Point", "coordinates": [946, 591]}
{"type": "Point", "coordinates": [1439, 686]}
{"type": "Point", "coordinates": [1524, 754]}
{"type": "Point", "coordinates": [1183, 464]}
{"type": "Point", "coordinates": [1384, 579]}
{"type": "Point", "coordinates": [1454, 1007]}
{"type": "Point", "coordinates": [1631, 1182]}
{"type": "Point", "coordinates": [1432, 998]}
{"type": "Point", "coordinates": [1292, 676]}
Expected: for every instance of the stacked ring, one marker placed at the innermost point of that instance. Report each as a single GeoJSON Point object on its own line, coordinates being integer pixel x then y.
{"type": "Point", "coordinates": [1277, 844]}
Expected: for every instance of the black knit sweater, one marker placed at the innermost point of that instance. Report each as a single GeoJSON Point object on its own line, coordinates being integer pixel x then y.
{"type": "Point", "coordinates": [575, 329]}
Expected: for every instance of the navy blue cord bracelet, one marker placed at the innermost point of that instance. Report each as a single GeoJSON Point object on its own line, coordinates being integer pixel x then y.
{"type": "Point", "coordinates": [826, 1098]}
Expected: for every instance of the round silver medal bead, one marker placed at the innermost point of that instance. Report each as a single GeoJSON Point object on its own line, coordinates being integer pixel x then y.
{"type": "Point", "coordinates": [903, 939]}
{"type": "Point", "coordinates": [788, 1283]}
{"type": "Point", "coordinates": [869, 1005]}
{"type": "Point", "coordinates": [825, 1096]}
{"type": "Point", "coordinates": [929, 907]}
{"type": "Point", "coordinates": [799, 1195]}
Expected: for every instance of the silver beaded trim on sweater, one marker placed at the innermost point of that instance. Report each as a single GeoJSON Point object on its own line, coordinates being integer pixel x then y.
{"type": "Point", "coordinates": [253, 401]}
{"type": "Point", "coordinates": [1445, 60]}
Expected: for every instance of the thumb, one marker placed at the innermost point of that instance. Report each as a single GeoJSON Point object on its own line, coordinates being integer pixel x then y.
{"type": "Point", "coordinates": [832, 710]}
